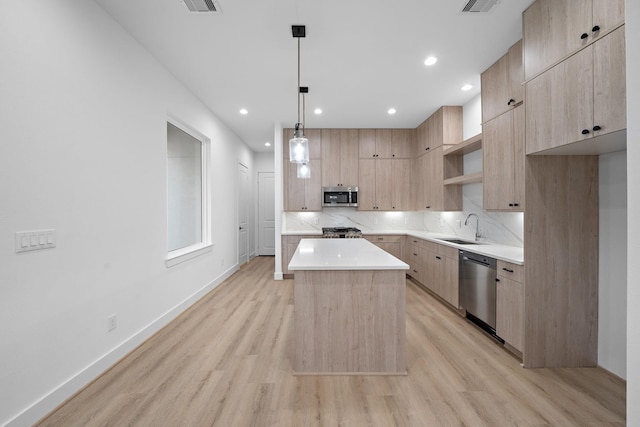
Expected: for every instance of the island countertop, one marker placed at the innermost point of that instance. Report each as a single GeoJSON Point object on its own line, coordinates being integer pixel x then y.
{"type": "Point", "coordinates": [343, 254]}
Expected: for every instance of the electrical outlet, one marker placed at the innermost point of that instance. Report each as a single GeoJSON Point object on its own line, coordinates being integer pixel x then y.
{"type": "Point", "coordinates": [112, 322]}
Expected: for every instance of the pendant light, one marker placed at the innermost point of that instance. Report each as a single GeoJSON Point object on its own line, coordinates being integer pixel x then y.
{"type": "Point", "coordinates": [299, 144]}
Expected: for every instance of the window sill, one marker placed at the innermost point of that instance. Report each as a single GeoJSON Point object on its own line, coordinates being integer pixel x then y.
{"type": "Point", "coordinates": [182, 255]}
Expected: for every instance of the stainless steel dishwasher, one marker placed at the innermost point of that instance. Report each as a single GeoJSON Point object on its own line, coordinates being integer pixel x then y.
{"type": "Point", "coordinates": [478, 290]}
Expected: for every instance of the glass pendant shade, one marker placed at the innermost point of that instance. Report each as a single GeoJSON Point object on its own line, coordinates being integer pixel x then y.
{"type": "Point", "coordinates": [304, 171]}
{"type": "Point", "coordinates": [299, 148]}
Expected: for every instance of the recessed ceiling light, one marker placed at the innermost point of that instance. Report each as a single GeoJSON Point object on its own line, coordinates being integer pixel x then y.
{"type": "Point", "coordinates": [244, 111]}
{"type": "Point", "coordinates": [317, 111]}
{"type": "Point", "coordinates": [391, 111]}
{"type": "Point", "coordinates": [267, 144]}
{"type": "Point", "coordinates": [466, 87]}
{"type": "Point", "coordinates": [430, 61]}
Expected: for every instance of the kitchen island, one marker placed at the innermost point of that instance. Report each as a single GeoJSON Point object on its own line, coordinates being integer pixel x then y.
{"type": "Point", "coordinates": [349, 308]}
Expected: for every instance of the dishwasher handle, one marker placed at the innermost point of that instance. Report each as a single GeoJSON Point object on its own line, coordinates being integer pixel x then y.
{"type": "Point", "coordinates": [477, 261]}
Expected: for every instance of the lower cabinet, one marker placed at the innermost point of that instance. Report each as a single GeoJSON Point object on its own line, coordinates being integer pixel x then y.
{"type": "Point", "coordinates": [435, 267]}
{"type": "Point", "coordinates": [390, 243]}
{"type": "Point", "coordinates": [510, 304]}
{"type": "Point", "coordinates": [289, 245]}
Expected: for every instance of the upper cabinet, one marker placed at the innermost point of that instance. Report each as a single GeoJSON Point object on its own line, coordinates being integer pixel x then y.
{"type": "Point", "coordinates": [444, 127]}
{"type": "Point", "coordinates": [386, 143]}
{"type": "Point", "coordinates": [504, 161]}
{"type": "Point", "coordinates": [502, 84]}
{"type": "Point", "coordinates": [339, 157]}
{"type": "Point", "coordinates": [554, 29]}
{"type": "Point", "coordinates": [579, 99]}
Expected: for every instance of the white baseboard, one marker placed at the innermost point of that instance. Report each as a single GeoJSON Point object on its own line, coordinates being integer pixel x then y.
{"type": "Point", "coordinates": [277, 276]}
{"type": "Point", "coordinates": [64, 391]}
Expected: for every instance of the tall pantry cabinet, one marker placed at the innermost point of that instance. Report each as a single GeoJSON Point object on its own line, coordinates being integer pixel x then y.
{"type": "Point", "coordinates": [573, 67]}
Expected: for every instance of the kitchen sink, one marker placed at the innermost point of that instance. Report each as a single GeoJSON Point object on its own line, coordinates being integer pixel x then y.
{"type": "Point", "coordinates": [458, 241]}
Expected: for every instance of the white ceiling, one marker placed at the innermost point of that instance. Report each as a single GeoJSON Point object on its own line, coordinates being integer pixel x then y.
{"type": "Point", "coordinates": [359, 58]}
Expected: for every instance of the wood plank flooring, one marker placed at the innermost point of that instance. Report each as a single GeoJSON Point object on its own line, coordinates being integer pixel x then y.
{"type": "Point", "coordinates": [228, 361]}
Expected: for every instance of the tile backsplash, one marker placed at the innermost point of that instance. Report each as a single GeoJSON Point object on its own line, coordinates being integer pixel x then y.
{"type": "Point", "coordinates": [505, 228]}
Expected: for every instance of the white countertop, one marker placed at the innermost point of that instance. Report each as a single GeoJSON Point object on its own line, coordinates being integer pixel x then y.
{"type": "Point", "coordinates": [343, 254]}
{"type": "Point", "coordinates": [511, 254]}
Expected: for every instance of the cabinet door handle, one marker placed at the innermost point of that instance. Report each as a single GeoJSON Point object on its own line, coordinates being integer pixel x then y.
{"type": "Point", "coordinates": [380, 238]}
{"type": "Point", "coordinates": [595, 28]}
{"type": "Point", "coordinates": [584, 36]}
{"type": "Point", "coordinates": [516, 204]}
{"type": "Point", "coordinates": [510, 204]}
{"type": "Point", "coordinates": [393, 155]}
{"type": "Point", "coordinates": [415, 254]}
{"type": "Point", "coordinates": [497, 280]}
{"type": "Point", "coordinates": [585, 131]}
{"type": "Point", "coordinates": [415, 271]}
{"type": "Point", "coordinates": [596, 128]}
{"type": "Point", "coordinates": [428, 207]}
{"type": "Point", "coordinates": [507, 270]}
{"type": "Point", "coordinates": [427, 148]}
{"type": "Point", "coordinates": [511, 101]}
{"type": "Point", "coordinates": [437, 257]}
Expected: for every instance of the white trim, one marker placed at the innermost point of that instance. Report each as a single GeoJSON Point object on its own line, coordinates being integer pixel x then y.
{"type": "Point", "coordinates": [185, 254]}
{"type": "Point", "coordinates": [58, 395]}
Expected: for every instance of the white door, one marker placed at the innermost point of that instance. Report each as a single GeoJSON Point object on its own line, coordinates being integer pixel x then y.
{"type": "Point", "coordinates": [266, 214]}
{"type": "Point", "coordinates": [243, 205]}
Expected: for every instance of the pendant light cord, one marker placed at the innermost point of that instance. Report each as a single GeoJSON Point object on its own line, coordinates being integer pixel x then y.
{"type": "Point", "coordinates": [298, 88]}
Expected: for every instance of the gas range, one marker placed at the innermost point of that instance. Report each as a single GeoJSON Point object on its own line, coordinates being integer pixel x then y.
{"type": "Point", "coordinates": [341, 232]}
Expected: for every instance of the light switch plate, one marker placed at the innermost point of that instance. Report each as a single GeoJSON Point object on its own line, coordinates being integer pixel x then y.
{"type": "Point", "coordinates": [35, 240]}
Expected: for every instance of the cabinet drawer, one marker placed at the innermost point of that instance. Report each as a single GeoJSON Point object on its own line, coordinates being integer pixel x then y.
{"type": "Point", "coordinates": [415, 253]}
{"type": "Point", "coordinates": [445, 251]}
{"type": "Point", "coordinates": [511, 271]}
{"type": "Point", "coordinates": [379, 238]}
{"type": "Point", "coordinates": [421, 243]}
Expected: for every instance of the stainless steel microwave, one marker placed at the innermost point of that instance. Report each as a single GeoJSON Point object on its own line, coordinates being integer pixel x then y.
{"type": "Point", "coordinates": [340, 196]}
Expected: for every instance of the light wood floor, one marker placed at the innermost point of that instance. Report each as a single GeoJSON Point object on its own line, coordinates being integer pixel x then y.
{"type": "Point", "coordinates": [227, 361]}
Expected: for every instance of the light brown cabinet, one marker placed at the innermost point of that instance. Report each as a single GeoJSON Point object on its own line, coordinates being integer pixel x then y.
{"type": "Point", "coordinates": [302, 194]}
{"type": "Point", "coordinates": [393, 244]}
{"type": "Point", "coordinates": [385, 184]}
{"type": "Point", "coordinates": [444, 127]}
{"type": "Point", "coordinates": [403, 142]}
{"type": "Point", "coordinates": [580, 98]}
{"type": "Point", "coordinates": [548, 39]}
{"type": "Point", "coordinates": [444, 265]}
{"type": "Point", "coordinates": [402, 178]}
{"type": "Point", "coordinates": [504, 161]}
{"type": "Point", "coordinates": [435, 267]}
{"type": "Point", "coordinates": [510, 304]}
{"type": "Point", "coordinates": [501, 84]}
{"type": "Point", "coordinates": [375, 179]}
{"type": "Point", "coordinates": [430, 191]}
{"type": "Point", "coordinates": [289, 246]}
{"type": "Point", "coordinates": [339, 157]}
{"type": "Point", "coordinates": [386, 143]}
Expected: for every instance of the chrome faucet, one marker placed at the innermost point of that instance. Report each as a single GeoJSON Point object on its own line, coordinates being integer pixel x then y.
{"type": "Point", "coordinates": [466, 222]}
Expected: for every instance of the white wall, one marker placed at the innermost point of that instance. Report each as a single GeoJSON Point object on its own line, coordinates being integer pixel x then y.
{"type": "Point", "coordinates": [612, 280]}
{"type": "Point", "coordinates": [83, 150]}
{"type": "Point", "coordinates": [632, 17]}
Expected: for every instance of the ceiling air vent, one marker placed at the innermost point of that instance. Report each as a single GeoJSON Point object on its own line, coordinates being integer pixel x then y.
{"type": "Point", "coordinates": [202, 6]}
{"type": "Point", "coordinates": [479, 6]}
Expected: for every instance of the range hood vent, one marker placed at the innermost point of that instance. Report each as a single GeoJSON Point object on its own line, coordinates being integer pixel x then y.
{"type": "Point", "coordinates": [475, 6]}
{"type": "Point", "coordinates": [209, 6]}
